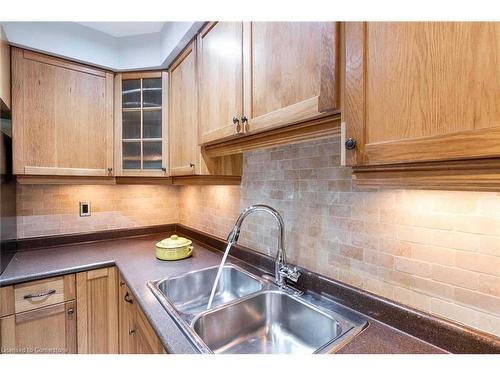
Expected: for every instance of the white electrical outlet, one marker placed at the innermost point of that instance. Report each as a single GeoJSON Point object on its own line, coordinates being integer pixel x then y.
{"type": "Point", "coordinates": [84, 208]}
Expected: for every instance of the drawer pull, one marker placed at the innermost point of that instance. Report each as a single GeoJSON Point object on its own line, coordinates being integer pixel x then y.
{"type": "Point", "coordinates": [127, 298]}
{"type": "Point", "coordinates": [39, 295]}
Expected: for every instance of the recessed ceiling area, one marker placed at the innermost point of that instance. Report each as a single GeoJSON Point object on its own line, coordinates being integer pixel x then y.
{"type": "Point", "coordinates": [121, 29]}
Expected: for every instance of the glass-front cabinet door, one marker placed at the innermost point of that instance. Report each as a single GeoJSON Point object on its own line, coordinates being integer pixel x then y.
{"type": "Point", "coordinates": [141, 124]}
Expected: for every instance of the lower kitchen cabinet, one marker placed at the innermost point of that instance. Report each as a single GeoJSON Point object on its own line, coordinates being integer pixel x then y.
{"type": "Point", "coordinates": [48, 330]}
{"type": "Point", "coordinates": [97, 311]}
{"type": "Point", "coordinates": [86, 313]}
{"type": "Point", "coordinates": [136, 334]}
{"type": "Point", "coordinates": [39, 317]}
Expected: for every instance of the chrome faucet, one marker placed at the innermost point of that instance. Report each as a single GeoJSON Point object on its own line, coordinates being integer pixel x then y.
{"type": "Point", "coordinates": [282, 271]}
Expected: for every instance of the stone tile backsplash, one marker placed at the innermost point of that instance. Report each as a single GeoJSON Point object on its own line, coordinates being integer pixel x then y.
{"type": "Point", "coordinates": [437, 251]}
{"type": "Point", "coordinates": [54, 209]}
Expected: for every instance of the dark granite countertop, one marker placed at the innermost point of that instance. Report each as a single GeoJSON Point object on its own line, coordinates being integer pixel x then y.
{"type": "Point", "coordinates": [135, 259]}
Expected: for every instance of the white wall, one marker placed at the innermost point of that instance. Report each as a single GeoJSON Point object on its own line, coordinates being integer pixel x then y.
{"type": "Point", "coordinates": [65, 39]}
{"type": "Point", "coordinates": [139, 52]}
{"type": "Point", "coordinates": [174, 37]}
{"type": "Point", "coordinates": [77, 42]}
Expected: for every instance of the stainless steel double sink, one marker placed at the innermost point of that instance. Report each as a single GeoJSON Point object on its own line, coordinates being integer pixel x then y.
{"type": "Point", "coordinates": [250, 314]}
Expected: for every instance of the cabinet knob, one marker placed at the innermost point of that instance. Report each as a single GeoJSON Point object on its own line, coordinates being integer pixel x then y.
{"type": "Point", "coordinates": [244, 119]}
{"type": "Point", "coordinates": [191, 165]}
{"type": "Point", "coordinates": [110, 170]}
{"type": "Point", "coordinates": [350, 144]}
{"type": "Point", "coordinates": [163, 169]}
{"type": "Point", "coordinates": [71, 311]}
{"type": "Point", "coordinates": [127, 298]}
{"type": "Point", "coordinates": [236, 121]}
{"type": "Point", "coordinates": [131, 332]}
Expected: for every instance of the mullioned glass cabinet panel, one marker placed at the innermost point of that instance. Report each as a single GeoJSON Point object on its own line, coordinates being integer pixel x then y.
{"type": "Point", "coordinates": [142, 124]}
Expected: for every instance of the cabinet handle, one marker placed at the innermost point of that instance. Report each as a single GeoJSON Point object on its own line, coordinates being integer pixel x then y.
{"type": "Point", "coordinates": [191, 165]}
{"type": "Point", "coordinates": [110, 170]}
{"type": "Point", "coordinates": [127, 298]}
{"type": "Point", "coordinates": [244, 123]}
{"type": "Point", "coordinates": [163, 169]}
{"type": "Point", "coordinates": [131, 332]}
{"type": "Point", "coordinates": [71, 311]}
{"type": "Point", "coordinates": [122, 283]}
{"type": "Point", "coordinates": [39, 295]}
{"type": "Point", "coordinates": [350, 144]}
{"type": "Point", "coordinates": [239, 126]}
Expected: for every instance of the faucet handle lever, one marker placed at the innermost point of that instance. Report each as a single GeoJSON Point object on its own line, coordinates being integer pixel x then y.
{"type": "Point", "coordinates": [290, 273]}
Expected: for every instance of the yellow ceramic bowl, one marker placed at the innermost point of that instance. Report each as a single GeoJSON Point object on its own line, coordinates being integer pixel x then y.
{"type": "Point", "coordinates": [174, 248]}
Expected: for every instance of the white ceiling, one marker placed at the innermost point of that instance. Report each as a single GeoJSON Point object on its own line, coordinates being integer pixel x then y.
{"type": "Point", "coordinates": [119, 46]}
{"type": "Point", "coordinates": [121, 29]}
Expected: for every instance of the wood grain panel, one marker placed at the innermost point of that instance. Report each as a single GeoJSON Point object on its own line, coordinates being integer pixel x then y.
{"type": "Point", "coordinates": [21, 291]}
{"type": "Point", "coordinates": [118, 126]}
{"type": "Point", "coordinates": [7, 304]}
{"type": "Point", "coordinates": [63, 180]}
{"type": "Point", "coordinates": [4, 69]}
{"type": "Point", "coordinates": [97, 303]}
{"type": "Point", "coordinates": [422, 92]}
{"type": "Point", "coordinates": [147, 341]}
{"type": "Point", "coordinates": [51, 60]}
{"type": "Point", "coordinates": [183, 115]}
{"type": "Point", "coordinates": [291, 72]}
{"type": "Point", "coordinates": [126, 309]}
{"type": "Point", "coordinates": [464, 145]}
{"type": "Point", "coordinates": [220, 79]}
{"type": "Point", "coordinates": [285, 64]}
{"type": "Point", "coordinates": [315, 129]}
{"type": "Point", "coordinates": [354, 90]}
{"type": "Point", "coordinates": [62, 116]}
{"type": "Point", "coordinates": [329, 85]}
{"type": "Point", "coordinates": [49, 329]}
{"type": "Point", "coordinates": [431, 78]}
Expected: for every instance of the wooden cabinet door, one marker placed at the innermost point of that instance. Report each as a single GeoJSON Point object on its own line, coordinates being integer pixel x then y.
{"type": "Point", "coordinates": [136, 334]}
{"type": "Point", "coordinates": [50, 330]}
{"type": "Point", "coordinates": [141, 139]}
{"type": "Point", "coordinates": [127, 324]}
{"type": "Point", "coordinates": [291, 72]}
{"type": "Point", "coordinates": [62, 117]}
{"type": "Point", "coordinates": [422, 91]}
{"type": "Point", "coordinates": [97, 305]}
{"type": "Point", "coordinates": [4, 70]}
{"type": "Point", "coordinates": [185, 154]}
{"type": "Point", "coordinates": [146, 340]}
{"type": "Point", "coordinates": [220, 66]}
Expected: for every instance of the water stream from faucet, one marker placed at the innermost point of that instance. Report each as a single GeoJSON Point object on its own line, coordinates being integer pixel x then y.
{"type": "Point", "coordinates": [217, 277]}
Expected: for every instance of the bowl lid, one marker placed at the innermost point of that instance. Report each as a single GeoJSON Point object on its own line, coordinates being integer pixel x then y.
{"type": "Point", "coordinates": [173, 242]}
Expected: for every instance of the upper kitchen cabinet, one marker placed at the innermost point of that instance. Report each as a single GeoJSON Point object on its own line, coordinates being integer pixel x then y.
{"type": "Point", "coordinates": [220, 56]}
{"type": "Point", "coordinates": [62, 117]}
{"type": "Point", "coordinates": [291, 73]}
{"type": "Point", "coordinates": [422, 104]}
{"type": "Point", "coordinates": [280, 83]}
{"type": "Point", "coordinates": [185, 155]}
{"type": "Point", "coordinates": [141, 147]}
{"type": "Point", "coordinates": [4, 71]}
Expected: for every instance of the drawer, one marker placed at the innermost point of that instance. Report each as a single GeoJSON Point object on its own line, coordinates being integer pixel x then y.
{"type": "Point", "coordinates": [33, 295]}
